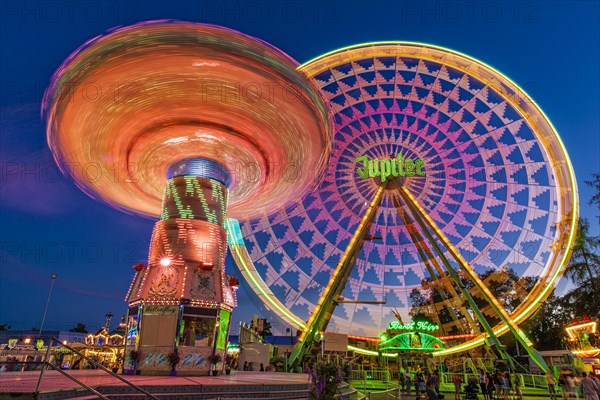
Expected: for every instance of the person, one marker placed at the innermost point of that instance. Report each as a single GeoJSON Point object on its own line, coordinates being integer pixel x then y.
{"type": "Point", "coordinates": [483, 383]}
{"type": "Point", "coordinates": [443, 367]}
{"type": "Point", "coordinates": [457, 380]}
{"type": "Point", "coordinates": [489, 385]}
{"type": "Point", "coordinates": [407, 380]}
{"type": "Point", "coordinates": [401, 383]}
{"type": "Point", "coordinates": [418, 380]}
{"type": "Point", "coordinates": [551, 384]}
{"type": "Point", "coordinates": [262, 367]}
{"type": "Point", "coordinates": [471, 389]}
{"type": "Point", "coordinates": [505, 385]}
{"type": "Point", "coordinates": [430, 392]}
{"type": "Point", "coordinates": [498, 384]}
{"type": "Point", "coordinates": [562, 384]}
{"type": "Point", "coordinates": [577, 380]}
{"type": "Point", "coordinates": [595, 378]}
{"type": "Point", "coordinates": [436, 381]}
{"type": "Point", "coordinates": [589, 387]}
{"type": "Point", "coordinates": [245, 366]}
{"type": "Point", "coordinates": [570, 386]}
{"type": "Point", "coordinates": [517, 386]}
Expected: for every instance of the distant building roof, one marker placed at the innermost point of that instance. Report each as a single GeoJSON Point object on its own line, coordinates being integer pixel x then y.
{"type": "Point", "coordinates": [60, 335]}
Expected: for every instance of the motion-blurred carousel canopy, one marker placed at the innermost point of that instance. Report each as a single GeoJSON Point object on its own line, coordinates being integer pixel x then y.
{"type": "Point", "coordinates": [127, 105]}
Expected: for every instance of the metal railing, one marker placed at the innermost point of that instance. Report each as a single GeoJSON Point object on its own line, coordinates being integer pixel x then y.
{"type": "Point", "coordinates": [536, 381]}
{"type": "Point", "coordinates": [527, 380]}
{"type": "Point", "coordinates": [387, 394]}
{"type": "Point", "coordinates": [448, 378]}
{"type": "Point", "coordinates": [371, 375]}
{"type": "Point", "coordinates": [77, 381]}
{"type": "Point", "coordinates": [47, 363]}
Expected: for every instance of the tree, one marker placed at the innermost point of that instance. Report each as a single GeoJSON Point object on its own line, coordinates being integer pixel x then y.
{"type": "Point", "coordinates": [4, 327]}
{"type": "Point", "coordinates": [595, 183]}
{"type": "Point", "coordinates": [266, 328]}
{"type": "Point", "coordinates": [583, 300]}
{"type": "Point", "coordinates": [584, 266]}
{"type": "Point", "coordinates": [546, 327]}
{"type": "Point", "coordinates": [80, 327]}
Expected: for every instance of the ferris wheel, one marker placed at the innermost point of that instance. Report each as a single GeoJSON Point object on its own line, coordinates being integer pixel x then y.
{"type": "Point", "coordinates": [443, 171]}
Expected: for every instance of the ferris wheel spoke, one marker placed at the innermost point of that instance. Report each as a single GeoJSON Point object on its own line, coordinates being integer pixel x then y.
{"type": "Point", "coordinates": [324, 309]}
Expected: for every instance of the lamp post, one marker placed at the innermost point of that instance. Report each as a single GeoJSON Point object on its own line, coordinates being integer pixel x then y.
{"type": "Point", "coordinates": [290, 331]}
{"type": "Point", "coordinates": [53, 277]}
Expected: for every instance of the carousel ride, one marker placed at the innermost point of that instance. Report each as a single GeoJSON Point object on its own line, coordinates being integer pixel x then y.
{"type": "Point", "coordinates": [440, 173]}
{"type": "Point", "coordinates": [214, 123]}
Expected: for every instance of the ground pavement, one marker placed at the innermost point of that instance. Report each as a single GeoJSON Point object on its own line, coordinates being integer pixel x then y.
{"type": "Point", "coordinates": [26, 381]}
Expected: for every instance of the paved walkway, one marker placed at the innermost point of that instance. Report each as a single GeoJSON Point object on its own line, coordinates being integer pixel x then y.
{"type": "Point", "coordinates": [26, 381]}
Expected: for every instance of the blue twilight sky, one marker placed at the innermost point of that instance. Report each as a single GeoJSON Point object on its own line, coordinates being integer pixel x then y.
{"type": "Point", "coordinates": [47, 225]}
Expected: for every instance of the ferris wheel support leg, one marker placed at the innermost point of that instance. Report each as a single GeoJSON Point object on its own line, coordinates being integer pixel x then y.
{"type": "Point", "coordinates": [426, 222]}
{"type": "Point", "coordinates": [322, 313]}
{"type": "Point", "coordinates": [484, 323]}
{"type": "Point", "coordinates": [427, 256]}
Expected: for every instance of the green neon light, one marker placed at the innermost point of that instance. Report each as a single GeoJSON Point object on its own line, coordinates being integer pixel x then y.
{"type": "Point", "coordinates": [171, 191]}
{"type": "Point", "coordinates": [223, 329]}
{"type": "Point", "coordinates": [193, 187]}
{"type": "Point", "coordinates": [414, 326]}
{"type": "Point", "coordinates": [180, 195]}
{"type": "Point", "coordinates": [385, 168]}
{"type": "Point", "coordinates": [413, 341]}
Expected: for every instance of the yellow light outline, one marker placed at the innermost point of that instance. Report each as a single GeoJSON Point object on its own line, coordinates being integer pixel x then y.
{"type": "Point", "coordinates": [591, 352]}
{"type": "Point", "coordinates": [573, 229]}
{"type": "Point", "coordinates": [571, 328]}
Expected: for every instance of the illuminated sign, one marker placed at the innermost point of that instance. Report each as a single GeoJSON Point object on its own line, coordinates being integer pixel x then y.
{"type": "Point", "coordinates": [412, 342]}
{"type": "Point", "coordinates": [223, 329]}
{"type": "Point", "coordinates": [587, 327]}
{"type": "Point", "coordinates": [413, 326]}
{"type": "Point", "coordinates": [389, 168]}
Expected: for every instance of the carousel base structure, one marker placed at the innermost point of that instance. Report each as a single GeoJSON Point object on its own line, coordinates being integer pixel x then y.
{"type": "Point", "coordinates": [180, 304]}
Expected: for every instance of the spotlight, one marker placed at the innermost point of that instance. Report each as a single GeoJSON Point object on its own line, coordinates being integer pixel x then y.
{"type": "Point", "coordinates": [165, 262]}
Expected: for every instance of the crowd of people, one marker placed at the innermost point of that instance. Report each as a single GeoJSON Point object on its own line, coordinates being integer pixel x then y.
{"type": "Point", "coordinates": [497, 386]}
{"type": "Point", "coordinates": [575, 386]}
{"type": "Point", "coordinates": [13, 364]}
{"type": "Point", "coordinates": [421, 382]}
{"type": "Point", "coordinates": [500, 385]}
